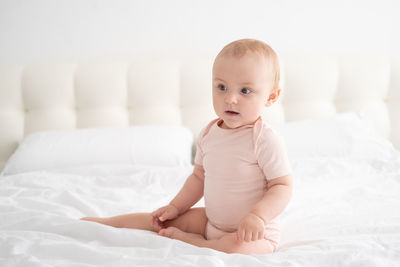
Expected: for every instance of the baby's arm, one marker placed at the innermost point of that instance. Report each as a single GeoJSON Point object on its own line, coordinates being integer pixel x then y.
{"type": "Point", "coordinates": [275, 199]}
{"type": "Point", "coordinates": [271, 205]}
{"type": "Point", "coordinates": [191, 192]}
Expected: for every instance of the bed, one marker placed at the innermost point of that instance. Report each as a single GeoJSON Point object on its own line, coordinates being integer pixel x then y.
{"type": "Point", "coordinates": [107, 138]}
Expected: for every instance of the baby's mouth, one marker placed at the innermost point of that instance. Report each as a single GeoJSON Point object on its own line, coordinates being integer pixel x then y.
{"type": "Point", "coordinates": [231, 112]}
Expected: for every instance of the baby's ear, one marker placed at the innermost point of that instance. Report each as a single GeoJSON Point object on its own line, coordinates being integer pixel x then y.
{"type": "Point", "coordinates": [273, 96]}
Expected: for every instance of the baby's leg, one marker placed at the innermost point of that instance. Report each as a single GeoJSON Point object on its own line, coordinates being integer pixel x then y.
{"type": "Point", "coordinates": [132, 220]}
{"type": "Point", "coordinates": [227, 243]}
{"type": "Point", "coordinates": [192, 221]}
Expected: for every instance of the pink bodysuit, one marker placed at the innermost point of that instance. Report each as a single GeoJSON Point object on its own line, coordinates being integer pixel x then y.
{"type": "Point", "coordinates": [237, 164]}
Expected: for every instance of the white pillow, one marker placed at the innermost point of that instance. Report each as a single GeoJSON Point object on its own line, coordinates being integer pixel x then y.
{"type": "Point", "coordinates": [145, 145]}
{"type": "Point", "coordinates": [342, 135]}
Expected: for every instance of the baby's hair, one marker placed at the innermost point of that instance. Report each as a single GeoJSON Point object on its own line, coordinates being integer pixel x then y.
{"type": "Point", "coordinates": [240, 47]}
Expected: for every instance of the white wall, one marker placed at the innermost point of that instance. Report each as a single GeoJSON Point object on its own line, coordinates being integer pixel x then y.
{"type": "Point", "coordinates": [48, 30]}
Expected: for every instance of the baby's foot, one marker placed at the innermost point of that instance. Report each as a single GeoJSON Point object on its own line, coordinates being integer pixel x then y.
{"type": "Point", "coordinates": [172, 232]}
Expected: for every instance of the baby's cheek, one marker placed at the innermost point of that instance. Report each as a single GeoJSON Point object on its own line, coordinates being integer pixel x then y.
{"type": "Point", "coordinates": [255, 108]}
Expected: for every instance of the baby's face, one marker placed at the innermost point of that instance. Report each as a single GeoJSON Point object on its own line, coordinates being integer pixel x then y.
{"type": "Point", "coordinates": [241, 88]}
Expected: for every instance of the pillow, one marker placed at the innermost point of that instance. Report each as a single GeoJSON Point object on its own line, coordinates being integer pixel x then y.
{"type": "Point", "coordinates": [342, 135]}
{"type": "Point", "coordinates": [145, 145]}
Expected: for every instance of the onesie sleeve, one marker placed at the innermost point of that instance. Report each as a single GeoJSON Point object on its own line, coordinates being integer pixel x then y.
{"type": "Point", "coordinates": [198, 158]}
{"type": "Point", "coordinates": [271, 154]}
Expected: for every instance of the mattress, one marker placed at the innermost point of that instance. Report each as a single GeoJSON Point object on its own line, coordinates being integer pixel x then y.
{"type": "Point", "coordinates": [342, 213]}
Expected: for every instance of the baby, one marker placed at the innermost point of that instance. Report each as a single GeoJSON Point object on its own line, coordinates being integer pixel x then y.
{"type": "Point", "coordinates": [241, 166]}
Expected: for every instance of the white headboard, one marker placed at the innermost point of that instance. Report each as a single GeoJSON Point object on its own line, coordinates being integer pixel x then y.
{"type": "Point", "coordinates": [50, 96]}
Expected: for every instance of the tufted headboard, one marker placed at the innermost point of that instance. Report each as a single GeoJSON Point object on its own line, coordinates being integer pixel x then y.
{"type": "Point", "coordinates": [65, 96]}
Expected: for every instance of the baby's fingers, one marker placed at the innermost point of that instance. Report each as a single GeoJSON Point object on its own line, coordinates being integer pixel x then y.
{"type": "Point", "coordinates": [261, 235]}
{"type": "Point", "coordinates": [248, 236]}
{"type": "Point", "coordinates": [156, 213]}
{"type": "Point", "coordinates": [240, 234]}
{"type": "Point", "coordinates": [165, 215]}
{"type": "Point", "coordinates": [256, 236]}
{"type": "Point", "coordinates": [237, 236]}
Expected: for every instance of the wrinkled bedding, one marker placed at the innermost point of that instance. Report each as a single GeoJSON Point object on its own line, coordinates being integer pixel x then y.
{"type": "Point", "coordinates": [344, 212]}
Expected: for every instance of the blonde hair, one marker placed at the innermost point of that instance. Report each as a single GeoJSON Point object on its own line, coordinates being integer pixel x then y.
{"type": "Point", "coordinates": [239, 48]}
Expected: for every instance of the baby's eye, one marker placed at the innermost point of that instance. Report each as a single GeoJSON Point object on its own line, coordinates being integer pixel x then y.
{"type": "Point", "coordinates": [222, 87]}
{"type": "Point", "coordinates": [245, 91]}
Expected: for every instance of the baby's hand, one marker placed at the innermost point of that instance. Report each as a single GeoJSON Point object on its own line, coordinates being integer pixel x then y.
{"type": "Point", "coordinates": [163, 214]}
{"type": "Point", "coordinates": [251, 228]}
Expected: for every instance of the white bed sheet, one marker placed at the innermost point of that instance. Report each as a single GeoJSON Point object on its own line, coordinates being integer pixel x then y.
{"type": "Point", "coordinates": [344, 212]}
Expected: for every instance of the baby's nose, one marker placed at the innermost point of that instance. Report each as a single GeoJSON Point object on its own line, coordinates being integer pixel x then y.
{"type": "Point", "coordinates": [231, 98]}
